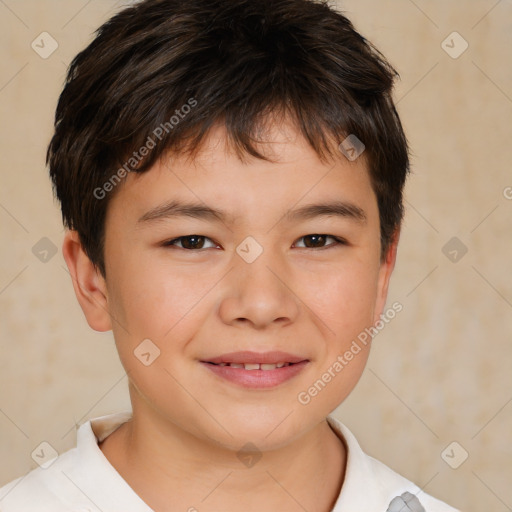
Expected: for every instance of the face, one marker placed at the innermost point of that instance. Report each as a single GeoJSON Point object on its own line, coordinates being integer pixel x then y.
{"type": "Point", "coordinates": [252, 274]}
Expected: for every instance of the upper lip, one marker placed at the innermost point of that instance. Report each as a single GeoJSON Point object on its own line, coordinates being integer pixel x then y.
{"type": "Point", "coordinates": [273, 357]}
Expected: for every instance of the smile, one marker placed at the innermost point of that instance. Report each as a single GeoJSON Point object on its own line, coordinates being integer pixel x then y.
{"type": "Point", "coordinates": [256, 370]}
{"type": "Point", "coordinates": [255, 366]}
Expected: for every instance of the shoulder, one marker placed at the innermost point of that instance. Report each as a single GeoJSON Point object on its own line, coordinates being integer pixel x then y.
{"type": "Point", "coordinates": [371, 485]}
{"type": "Point", "coordinates": [45, 490]}
{"type": "Point", "coordinates": [404, 491]}
{"type": "Point", "coordinates": [78, 480]}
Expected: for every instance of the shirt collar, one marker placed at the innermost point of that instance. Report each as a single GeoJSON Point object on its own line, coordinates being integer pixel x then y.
{"type": "Point", "coordinates": [356, 491]}
{"type": "Point", "coordinates": [361, 489]}
{"type": "Point", "coordinates": [95, 476]}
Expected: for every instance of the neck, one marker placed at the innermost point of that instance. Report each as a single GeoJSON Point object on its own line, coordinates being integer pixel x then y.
{"type": "Point", "coordinates": [172, 470]}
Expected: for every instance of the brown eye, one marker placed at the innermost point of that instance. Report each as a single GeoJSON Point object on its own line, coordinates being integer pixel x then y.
{"type": "Point", "coordinates": [193, 242]}
{"type": "Point", "coordinates": [318, 241]}
{"type": "Point", "coordinates": [314, 241]}
{"type": "Point", "coordinates": [189, 242]}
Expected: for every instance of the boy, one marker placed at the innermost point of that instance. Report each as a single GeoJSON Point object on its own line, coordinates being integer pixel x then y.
{"type": "Point", "coordinates": [230, 173]}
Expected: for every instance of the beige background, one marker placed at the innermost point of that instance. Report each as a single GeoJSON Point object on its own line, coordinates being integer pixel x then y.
{"type": "Point", "coordinates": [440, 372]}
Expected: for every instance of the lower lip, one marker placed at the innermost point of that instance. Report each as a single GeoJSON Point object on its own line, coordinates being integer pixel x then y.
{"type": "Point", "coordinates": [257, 378]}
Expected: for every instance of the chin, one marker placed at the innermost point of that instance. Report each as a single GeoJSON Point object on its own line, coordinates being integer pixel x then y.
{"type": "Point", "coordinates": [267, 430]}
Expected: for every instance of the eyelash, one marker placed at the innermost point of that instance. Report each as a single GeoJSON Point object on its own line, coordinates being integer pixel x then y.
{"type": "Point", "coordinates": [339, 241]}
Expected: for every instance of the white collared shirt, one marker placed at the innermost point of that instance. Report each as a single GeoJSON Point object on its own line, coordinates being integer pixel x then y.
{"type": "Point", "coordinates": [83, 480]}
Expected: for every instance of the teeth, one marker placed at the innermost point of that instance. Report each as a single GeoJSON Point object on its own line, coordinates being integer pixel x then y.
{"type": "Point", "coordinates": [255, 366]}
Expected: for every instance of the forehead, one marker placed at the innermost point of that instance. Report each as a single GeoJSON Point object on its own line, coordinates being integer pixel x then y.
{"type": "Point", "coordinates": [215, 184]}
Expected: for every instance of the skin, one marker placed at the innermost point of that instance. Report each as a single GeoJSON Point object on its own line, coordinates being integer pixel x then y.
{"type": "Point", "coordinates": [180, 450]}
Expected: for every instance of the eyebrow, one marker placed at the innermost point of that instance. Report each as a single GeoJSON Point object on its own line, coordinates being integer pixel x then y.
{"type": "Point", "coordinates": [179, 209]}
{"type": "Point", "coordinates": [334, 208]}
{"type": "Point", "coordinates": [200, 211]}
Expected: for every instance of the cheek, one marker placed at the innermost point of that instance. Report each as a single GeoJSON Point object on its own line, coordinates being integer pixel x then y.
{"type": "Point", "coordinates": [343, 298]}
{"type": "Point", "coordinates": [154, 300]}
{"type": "Point", "coordinates": [155, 315]}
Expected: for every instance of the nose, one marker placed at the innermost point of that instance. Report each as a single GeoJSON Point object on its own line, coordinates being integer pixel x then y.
{"type": "Point", "coordinates": [258, 294]}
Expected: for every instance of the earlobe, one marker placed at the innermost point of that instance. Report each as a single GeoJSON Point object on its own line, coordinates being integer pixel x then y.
{"type": "Point", "coordinates": [386, 269]}
{"type": "Point", "coordinates": [88, 283]}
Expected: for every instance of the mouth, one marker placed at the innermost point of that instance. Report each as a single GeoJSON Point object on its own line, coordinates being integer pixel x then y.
{"type": "Point", "coordinates": [256, 370]}
{"type": "Point", "coordinates": [252, 366]}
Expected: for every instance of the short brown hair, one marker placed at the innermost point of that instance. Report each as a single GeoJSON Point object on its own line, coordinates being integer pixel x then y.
{"type": "Point", "coordinates": [235, 62]}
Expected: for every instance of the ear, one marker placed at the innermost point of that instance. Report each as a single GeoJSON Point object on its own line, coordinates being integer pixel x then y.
{"type": "Point", "coordinates": [90, 286]}
{"type": "Point", "coordinates": [385, 271]}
